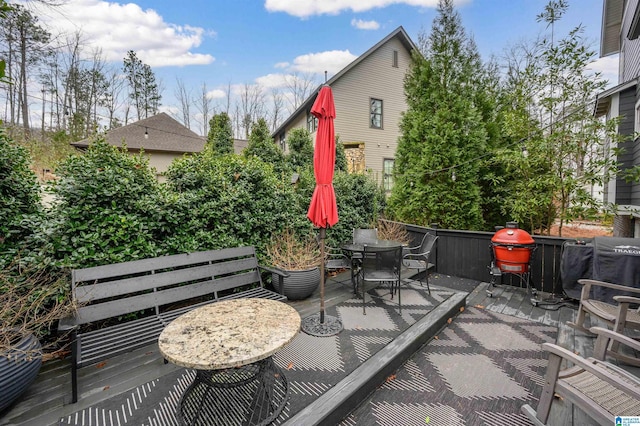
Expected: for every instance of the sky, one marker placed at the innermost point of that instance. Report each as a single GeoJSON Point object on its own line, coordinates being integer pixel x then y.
{"type": "Point", "coordinates": [224, 43]}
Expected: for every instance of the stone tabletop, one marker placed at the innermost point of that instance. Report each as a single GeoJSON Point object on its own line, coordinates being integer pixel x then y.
{"type": "Point", "coordinates": [229, 334]}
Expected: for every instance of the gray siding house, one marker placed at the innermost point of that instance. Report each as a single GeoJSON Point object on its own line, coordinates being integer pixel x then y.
{"type": "Point", "coordinates": [369, 100]}
{"type": "Point", "coordinates": [620, 31]}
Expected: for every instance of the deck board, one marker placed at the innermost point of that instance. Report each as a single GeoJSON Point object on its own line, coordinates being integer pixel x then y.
{"type": "Point", "coordinates": [48, 398]}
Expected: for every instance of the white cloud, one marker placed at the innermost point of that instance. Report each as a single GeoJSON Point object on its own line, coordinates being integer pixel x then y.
{"type": "Point", "coordinates": [117, 28]}
{"type": "Point", "coordinates": [364, 25]}
{"type": "Point", "coordinates": [282, 65]}
{"type": "Point", "coordinates": [331, 61]}
{"type": "Point", "coordinates": [608, 66]}
{"type": "Point", "coordinates": [306, 8]}
{"type": "Point", "coordinates": [272, 81]}
{"type": "Point", "coordinates": [216, 94]}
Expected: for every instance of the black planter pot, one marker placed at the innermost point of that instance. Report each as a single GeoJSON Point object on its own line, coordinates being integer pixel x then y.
{"type": "Point", "coordinates": [299, 284]}
{"type": "Point", "coordinates": [19, 367]}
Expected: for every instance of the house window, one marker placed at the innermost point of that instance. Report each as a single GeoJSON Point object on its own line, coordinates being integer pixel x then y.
{"type": "Point", "coordinates": [387, 174]}
{"type": "Point", "coordinates": [283, 141]}
{"type": "Point", "coordinates": [312, 122]}
{"type": "Point", "coordinates": [375, 114]}
{"type": "Point", "coordinates": [395, 59]}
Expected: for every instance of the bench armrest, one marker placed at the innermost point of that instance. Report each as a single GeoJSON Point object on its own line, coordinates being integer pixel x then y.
{"type": "Point", "coordinates": [67, 324]}
{"type": "Point", "coordinates": [279, 286]}
{"type": "Point", "coordinates": [274, 270]}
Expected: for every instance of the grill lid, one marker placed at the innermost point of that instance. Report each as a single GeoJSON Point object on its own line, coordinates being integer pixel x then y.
{"type": "Point", "coordinates": [512, 235]}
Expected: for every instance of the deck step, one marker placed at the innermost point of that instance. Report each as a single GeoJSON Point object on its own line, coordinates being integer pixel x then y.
{"type": "Point", "coordinates": [350, 392]}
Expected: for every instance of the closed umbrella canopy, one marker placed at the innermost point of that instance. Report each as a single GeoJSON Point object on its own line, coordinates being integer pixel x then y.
{"type": "Point", "coordinates": [323, 211]}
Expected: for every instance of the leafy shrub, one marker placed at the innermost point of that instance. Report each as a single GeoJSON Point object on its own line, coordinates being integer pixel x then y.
{"type": "Point", "coordinates": [19, 195]}
{"type": "Point", "coordinates": [231, 201]}
{"type": "Point", "coordinates": [103, 209]}
{"type": "Point", "coordinates": [300, 148]}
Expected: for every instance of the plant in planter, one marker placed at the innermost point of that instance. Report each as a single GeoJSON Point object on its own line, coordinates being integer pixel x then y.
{"type": "Point", "coordinates": [30, 303]}
{"type": "Point", "coordinates": [299, 257]}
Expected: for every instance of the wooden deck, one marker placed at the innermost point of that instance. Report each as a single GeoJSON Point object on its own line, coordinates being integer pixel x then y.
{"type": "Point", "coordinates": [48, 398]}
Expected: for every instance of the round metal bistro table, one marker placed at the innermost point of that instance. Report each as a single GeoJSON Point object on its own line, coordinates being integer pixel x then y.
{"type": "Point", "coordinates": [355, 252]}
{"type": "Point", "coordinates": [229, 344]}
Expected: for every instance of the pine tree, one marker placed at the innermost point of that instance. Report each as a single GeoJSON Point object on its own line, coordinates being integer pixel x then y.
{"type": "Point", "coordinates": [144, 90]}
{"type": "Point", "coordinates": [443, 133]}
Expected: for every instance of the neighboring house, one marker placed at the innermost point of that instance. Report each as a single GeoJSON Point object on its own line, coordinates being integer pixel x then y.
{"type": "Point", "coordinates": [369, 100]}
{"type": "Point", "coordinates": [162, 138]}
{"type": "Point", "coordinates": [620, 31]}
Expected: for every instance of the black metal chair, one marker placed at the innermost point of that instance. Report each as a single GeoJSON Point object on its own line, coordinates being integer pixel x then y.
{"type": "Point", "coordinates": [360, 236]}
{"type": "Point", "coordinates": [380, 265]}
{"type": "Point", "coordinates": [365, 235]}
{"type": "Point", "coordinates": [418, 257]}
{"type": "Point", "coordinates": [335, 259]}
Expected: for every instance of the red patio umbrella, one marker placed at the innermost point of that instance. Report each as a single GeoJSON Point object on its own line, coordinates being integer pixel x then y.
{"type": "Point", "coordinates": [323, 211]}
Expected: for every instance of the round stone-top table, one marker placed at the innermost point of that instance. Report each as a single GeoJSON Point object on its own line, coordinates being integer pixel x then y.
{"type": "Point", "coordinates": [229, 344]}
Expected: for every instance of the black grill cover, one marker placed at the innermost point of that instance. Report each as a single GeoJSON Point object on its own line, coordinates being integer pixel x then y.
{"type": "Point", "coordinates": [576, 263]}
{"type": "Point", "coordinates": [615, 260]}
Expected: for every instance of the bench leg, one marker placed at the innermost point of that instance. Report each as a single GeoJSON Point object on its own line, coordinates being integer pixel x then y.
{"type": "Point", "coordinates": [74, 369]}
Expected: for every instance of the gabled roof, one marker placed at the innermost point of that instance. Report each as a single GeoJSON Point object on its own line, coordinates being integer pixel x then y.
{"type": "Point", "coordinates": [164, 134]}
{"type": "Point", "coordinates": [399, 32]}
{"type": "Point", "coordinates": [603, 100]}
{"type": "Point", "coordinates": [612, 11]}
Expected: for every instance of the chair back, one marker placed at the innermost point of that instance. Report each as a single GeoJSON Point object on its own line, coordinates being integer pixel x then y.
{"type": "Point", "coordinates": [428, 241]}
{"type": "Point", "coordinates": [365, 235]}
{"type": "Point", "coordinates": [382, 264]}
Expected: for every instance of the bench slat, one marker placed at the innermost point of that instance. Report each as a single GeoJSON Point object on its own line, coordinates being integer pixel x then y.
{"type": "Point", "coordinates": [158, 263]}
{"type": "Point", "coordinates": [94, 292]}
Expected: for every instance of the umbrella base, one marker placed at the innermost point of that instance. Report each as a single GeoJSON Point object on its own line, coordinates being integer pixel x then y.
{"type": "Point", "coordinates": [330, 327]}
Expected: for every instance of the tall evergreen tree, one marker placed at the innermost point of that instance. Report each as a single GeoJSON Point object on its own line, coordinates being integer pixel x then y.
{"type": "Point", "coordinates": [300, 148]}
{"type": "Point", "coordinates": [262, 145]}
{"type": "Point", "coordinates": [443, 134]}
{"type": "Point", "coordinates": [220, 136]}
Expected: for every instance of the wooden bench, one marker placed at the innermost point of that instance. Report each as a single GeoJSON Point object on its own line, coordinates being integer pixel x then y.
{"type": "Point", "coordinates": [153, 292]}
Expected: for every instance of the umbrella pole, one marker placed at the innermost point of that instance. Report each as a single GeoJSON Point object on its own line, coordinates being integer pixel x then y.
{"type": "Point", "coordinates": [323, 234]}
{"type": "Point", "coordinates": [321, 325]}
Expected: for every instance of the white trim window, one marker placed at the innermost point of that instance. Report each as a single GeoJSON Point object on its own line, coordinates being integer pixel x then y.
{"type": "Point", "coordinates": [375, 113]}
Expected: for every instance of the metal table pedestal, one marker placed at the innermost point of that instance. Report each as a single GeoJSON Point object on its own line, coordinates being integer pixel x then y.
{"type": "Point", "coordinates": [253, 394]}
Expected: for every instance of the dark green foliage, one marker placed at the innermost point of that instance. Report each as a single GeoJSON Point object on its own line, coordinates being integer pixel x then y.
{"type": "Point", "coordinates": [300, 148]}
{"type": "Point", "coordinates": [232, 201]}
{"type": "Point", "coordinates": [220, 137]}
{"type": "Point", "coordinates": [443, 133]}
{"type": "Point", "coordinates": [103, 209]}
{"type": "Point", "coordinates": [341, 157]}
{"type": "Point", "coordinates": [261, 145]}
{"type": "Point", "coordinates": [19, 195]}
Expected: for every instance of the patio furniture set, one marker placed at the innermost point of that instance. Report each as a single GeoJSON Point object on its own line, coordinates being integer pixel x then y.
{"type": "Point", "coordinates": [230, 343]}
{"type": "Point", "coordinates": [169, 286]}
